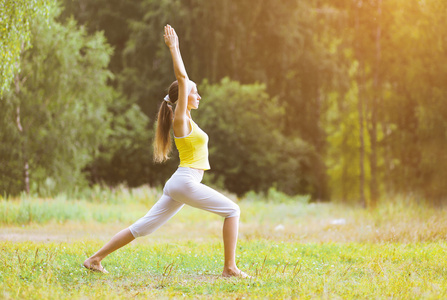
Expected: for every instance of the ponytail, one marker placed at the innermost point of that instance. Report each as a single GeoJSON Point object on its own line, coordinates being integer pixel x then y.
{"type": "Point", "coordinates": [162, 141]}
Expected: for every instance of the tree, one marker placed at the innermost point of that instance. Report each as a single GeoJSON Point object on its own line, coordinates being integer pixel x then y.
{"type": "Point", "coordinates": [269, 43]}
{"type": "Point", "coordinates": [15, 35]}
{"type": "Point", "coordinates": [395, 55]}
{"type": "Point", "coordinates": [248, 150]}
{"type": "Point", "coordinates": [360, 80]}
{"type": "Point", "coordinates": [113, 17]}
{"type": "Point", "coordinates": [417, 138]}
{"type": "Point", "coordinates": [56, 115]}
{"type": "Point", "coordinates": [126, 155]}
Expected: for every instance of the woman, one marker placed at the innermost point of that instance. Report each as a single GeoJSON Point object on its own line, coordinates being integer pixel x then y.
{"type": "Point", "coordinates": [184, 186]}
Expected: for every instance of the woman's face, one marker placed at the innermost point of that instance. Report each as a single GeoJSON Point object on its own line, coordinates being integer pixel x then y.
{"type": "Point", "coordinates": [194, 98]}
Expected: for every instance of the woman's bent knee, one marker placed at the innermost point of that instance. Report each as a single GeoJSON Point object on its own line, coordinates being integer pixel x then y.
{"type": "Point", "coordinates": [139, 231]}
{"type": "Point", "coordinates": [235, 211]}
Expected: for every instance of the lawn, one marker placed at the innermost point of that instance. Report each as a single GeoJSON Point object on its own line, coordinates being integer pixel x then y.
{"type": "Point", "coordinates": [292, 250]}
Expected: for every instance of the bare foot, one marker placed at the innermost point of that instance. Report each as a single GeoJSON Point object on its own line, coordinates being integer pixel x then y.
{"type": "Point", "coordinates": [234, 273]}
{"type": "Point", "coordinates": [94, 266]}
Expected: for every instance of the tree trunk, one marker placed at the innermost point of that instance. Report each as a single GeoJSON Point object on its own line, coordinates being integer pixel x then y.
{"type": "Point", "coordinates": [361, 140]}
{"type": "Point", "coordinates": [344, 149]}
{"type": "Point", "coordinates": [374, 107]}
{"type": "Point", "coordinates": [20, 128]}
{"type": "Point", "coordinates": [360, 82]}
{"type": "Point", "coordinates": [389, 165]}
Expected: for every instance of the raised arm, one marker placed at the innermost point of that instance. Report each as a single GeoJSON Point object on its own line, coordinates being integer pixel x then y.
{"type": "Point", "coordinates": [181, 119]}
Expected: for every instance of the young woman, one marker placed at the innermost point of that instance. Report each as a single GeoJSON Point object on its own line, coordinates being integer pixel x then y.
{"type": "Point", "coordinates": [184, 186]}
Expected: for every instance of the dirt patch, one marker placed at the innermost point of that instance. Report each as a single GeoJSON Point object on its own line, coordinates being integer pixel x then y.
{"type": "Point", "coordinates": [75, 231]}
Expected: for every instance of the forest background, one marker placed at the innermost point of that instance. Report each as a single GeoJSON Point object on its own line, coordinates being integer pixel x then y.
{"type": "Point", "coordinates": [341, 100]}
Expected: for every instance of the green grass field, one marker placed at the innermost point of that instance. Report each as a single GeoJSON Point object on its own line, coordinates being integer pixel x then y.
{"type": "Point", "coordinates": [291, 248]}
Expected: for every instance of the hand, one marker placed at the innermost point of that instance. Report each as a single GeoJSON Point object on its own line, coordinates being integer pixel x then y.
{"type": "Point", "coordinates": [171, 38]}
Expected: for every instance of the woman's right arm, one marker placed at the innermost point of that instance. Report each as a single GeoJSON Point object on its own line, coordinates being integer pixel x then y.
{"type": "Point", "coordinates": [181, 122]}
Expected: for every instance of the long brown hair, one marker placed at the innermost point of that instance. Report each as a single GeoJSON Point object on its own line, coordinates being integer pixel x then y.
{"type": "Point", "coordinates": [162, 141]}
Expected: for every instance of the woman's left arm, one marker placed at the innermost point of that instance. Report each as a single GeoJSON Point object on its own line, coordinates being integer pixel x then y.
{"type": "Point", "coordinates": [181, 121]}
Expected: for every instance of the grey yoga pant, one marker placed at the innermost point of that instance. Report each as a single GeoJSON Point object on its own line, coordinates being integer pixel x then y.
{"type": "Point", "coordinates": [182, 188]}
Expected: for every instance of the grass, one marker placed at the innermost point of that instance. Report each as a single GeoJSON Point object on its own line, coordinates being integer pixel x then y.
{"type": "Point", "coordinates": [280, 270]}
{"type": "Point", "coordinates": [291, 248]}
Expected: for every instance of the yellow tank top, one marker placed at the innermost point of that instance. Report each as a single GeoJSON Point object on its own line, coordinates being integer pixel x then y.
{"type": "Point", "coordinates": [193, 148]}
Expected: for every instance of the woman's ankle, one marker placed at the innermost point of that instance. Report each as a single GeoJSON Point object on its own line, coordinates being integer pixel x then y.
{"type": "Point", "coordinates": [231, 269]}
{"type": "Point", "coordinates": [93, 260]}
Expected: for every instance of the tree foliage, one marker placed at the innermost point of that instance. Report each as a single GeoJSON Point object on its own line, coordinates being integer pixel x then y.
{"type": "Point", "coordinates": [352, 94]}
{"type": "Point", "coordinates": [248, 150]}
{"type": "Point", "coordinates": [56, 115]}
{"type": "Point", "coordinates": [240, 42]}
{"type": "Point", "coordinates": [15, 34]}
{"type": "Point", "coordinates": [125, 157]}
{"type": "Point", "coordinates": [395, 59]}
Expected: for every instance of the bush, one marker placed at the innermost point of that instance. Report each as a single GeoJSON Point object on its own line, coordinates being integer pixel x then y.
{"type": "Point", "coordinates": [247, 148]}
